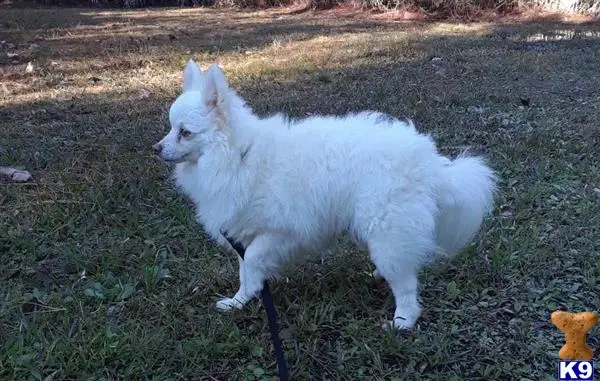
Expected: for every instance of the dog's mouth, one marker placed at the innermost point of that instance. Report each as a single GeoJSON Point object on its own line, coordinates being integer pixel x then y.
{"type": "Point", "coordinates": [188, 158]}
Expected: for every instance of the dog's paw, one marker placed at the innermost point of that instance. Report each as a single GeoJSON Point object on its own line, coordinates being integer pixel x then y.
{"type": "Point", "coordinates": [397, 324]}
{"type": "Point", "coordinates": [228, 304]}
{"type": "Point", "coordinates": [404, 319]}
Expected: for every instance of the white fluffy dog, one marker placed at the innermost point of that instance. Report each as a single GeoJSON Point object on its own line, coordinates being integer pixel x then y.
{"type": "Point", "coordinates": [284, 188]}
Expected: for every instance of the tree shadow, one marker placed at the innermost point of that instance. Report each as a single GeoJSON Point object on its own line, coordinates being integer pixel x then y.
{"type": "Point", "coordinates": [87, 34]}
{"type": "Point", "coordinates": [510, 67]}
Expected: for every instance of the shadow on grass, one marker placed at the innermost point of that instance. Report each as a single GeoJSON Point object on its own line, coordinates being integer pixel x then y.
{"type": "Point", "coordinates": [102, 204]}
{"type": "Point", "coordinates": [111, 41]}
{"type": "Point", "coordinates": [72, 34]}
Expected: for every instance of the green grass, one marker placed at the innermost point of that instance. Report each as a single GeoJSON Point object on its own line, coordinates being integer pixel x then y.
{"type": "Point", "coordinates": [105, 275]}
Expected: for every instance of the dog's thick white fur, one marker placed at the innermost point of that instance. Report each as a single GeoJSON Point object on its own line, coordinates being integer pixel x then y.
{"type": "Point", "coordinates": [284, 188]}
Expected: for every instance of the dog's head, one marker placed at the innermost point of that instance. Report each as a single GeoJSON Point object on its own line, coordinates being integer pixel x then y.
{"type": "Point", "coordinates": [198, 117]}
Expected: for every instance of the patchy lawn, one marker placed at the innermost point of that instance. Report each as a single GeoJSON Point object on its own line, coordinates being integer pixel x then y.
{"type": "Point", "coordinates": [105, 275]}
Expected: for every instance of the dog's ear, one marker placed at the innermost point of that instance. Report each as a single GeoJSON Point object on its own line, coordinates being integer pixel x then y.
{"type": "Point", "coordinates": [216, 87]}
{"type": "Point", "coordinates": [192, 76]}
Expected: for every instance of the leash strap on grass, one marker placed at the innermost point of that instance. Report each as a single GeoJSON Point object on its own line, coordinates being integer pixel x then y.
{"type": "Point", "coordinates": [267, 299]}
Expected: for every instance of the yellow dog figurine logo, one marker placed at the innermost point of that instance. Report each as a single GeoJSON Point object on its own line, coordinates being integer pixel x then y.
{"type": "Point", "coordinates": [575, 326]}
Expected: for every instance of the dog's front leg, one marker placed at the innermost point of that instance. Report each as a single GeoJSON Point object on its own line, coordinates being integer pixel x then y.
{"type": "Point", "coordinates": [257, 266]}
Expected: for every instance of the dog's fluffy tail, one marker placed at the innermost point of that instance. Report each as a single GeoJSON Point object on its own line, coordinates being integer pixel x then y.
{"type": "Point", "coordinates": [467, 197]}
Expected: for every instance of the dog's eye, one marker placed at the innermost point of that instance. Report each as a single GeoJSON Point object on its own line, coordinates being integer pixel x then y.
{"type": "Point", "coordinates": [185, 133]}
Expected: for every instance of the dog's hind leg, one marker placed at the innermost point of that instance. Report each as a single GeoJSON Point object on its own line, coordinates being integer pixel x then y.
{"type": "Point", "coordinates": [259, 264]}
{"type": "Point", "coordinates": [397, 259]}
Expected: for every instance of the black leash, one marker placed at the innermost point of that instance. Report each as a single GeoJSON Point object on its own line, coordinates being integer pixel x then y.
{"type": "Point", "coordinates": [267, 299]}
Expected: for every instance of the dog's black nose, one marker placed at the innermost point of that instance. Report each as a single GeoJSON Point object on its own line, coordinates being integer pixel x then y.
{"type": "Point", "coordinates": [157, 148]}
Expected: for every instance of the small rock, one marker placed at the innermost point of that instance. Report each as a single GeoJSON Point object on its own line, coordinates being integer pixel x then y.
{"type": "Point", "coordinates": [29, 68]}
{"type": "Point", "coordinates": [597, 193]}
{"type": "Point", "coordinates": [21, 176]}
{"type": "Point", "coordinates": [436, 59]}
{"type": "Point", "coordinates": [12, 55]}
{"type": "Point", "coordinates": [505, 122]}
{"type": "Point", "coordinates": [34, 46]}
